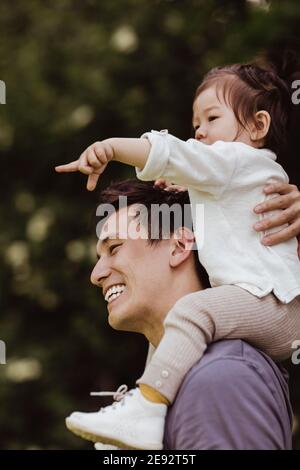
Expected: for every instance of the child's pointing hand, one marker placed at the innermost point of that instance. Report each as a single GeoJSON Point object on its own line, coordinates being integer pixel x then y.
{"type": "Point", "coordinates": [92, 162]}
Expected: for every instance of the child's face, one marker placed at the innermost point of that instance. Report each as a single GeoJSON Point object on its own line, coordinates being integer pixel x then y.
{"type": "Point", "coordinates": [214, 120]}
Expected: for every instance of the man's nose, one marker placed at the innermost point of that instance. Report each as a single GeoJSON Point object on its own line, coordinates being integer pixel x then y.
{"type": "Point", "coordinates": [100, 272]}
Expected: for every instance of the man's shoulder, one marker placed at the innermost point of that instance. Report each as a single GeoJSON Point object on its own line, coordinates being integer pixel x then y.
{"type": "Point", "coordinates": [231, 358]}
{"type": "Point", "coordinates": [229, 350]}
{"type": "Point", "coordinates": [218, 402]}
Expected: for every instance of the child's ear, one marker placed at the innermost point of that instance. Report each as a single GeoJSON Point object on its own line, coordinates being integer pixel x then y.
{"type": "Point", "coordinates": [261, 125]}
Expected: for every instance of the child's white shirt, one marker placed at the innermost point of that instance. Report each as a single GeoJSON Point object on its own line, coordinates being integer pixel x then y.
{"type": "Point", "coordinates": [227, 179]}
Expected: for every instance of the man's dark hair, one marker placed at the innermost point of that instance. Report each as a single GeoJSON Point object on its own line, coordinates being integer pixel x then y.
{"type": "Point", "coordinates": [145, 193]}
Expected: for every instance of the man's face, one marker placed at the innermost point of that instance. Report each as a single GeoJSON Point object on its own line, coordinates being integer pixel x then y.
{"type": "Point", "coordinates": [131, 273]}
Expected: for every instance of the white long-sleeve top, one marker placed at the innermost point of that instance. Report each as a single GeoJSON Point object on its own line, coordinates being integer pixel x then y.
{"type": "Point", "coordinates": [227, 178]}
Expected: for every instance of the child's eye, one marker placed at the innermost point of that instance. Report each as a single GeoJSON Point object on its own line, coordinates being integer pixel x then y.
{"type": "Point", "coordinates": [212, 118]}
{"type": "Point", "coordinates": [196, 127]}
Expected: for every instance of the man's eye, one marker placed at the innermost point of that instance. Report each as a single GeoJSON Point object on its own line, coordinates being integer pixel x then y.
{"type": "Point", "coordinates": [112, 247]}
{"type": "Point", "coordinates": [212, 118]}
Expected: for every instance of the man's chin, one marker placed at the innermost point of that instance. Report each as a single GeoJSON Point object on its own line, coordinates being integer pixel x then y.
{"type": "Point", "coordinates": [117, 322]}
{"type": "Point", "coordinates": [122, 321]}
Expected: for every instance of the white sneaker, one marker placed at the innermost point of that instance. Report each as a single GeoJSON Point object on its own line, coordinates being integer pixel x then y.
{"type": "Point", "coordinates": [132, 422]}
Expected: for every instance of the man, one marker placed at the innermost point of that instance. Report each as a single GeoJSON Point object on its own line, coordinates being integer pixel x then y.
{"type": "Point", "coordinates": [235, 397]}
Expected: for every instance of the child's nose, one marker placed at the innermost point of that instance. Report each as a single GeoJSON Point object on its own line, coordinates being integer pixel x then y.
{"type": "Point", "coordinates": [200, 133]}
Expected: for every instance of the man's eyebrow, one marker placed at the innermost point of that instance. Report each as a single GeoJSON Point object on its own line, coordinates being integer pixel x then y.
{"type": "Point", "coordinates": [105, 240]}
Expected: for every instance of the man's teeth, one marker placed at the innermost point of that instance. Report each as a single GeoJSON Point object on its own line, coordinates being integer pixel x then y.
{"type": "Point", "coordinates": [114, 292]}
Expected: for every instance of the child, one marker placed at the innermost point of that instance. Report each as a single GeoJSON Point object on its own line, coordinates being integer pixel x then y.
{"type": "Point", "coordinates": [240, 117]}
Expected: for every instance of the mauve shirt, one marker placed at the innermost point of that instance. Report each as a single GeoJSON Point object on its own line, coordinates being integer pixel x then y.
{"type": "Point", "coordinates": [235, 397]}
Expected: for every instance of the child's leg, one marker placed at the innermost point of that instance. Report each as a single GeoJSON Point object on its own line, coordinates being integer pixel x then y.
{"type": "Point", "coordinates": [217, 313]}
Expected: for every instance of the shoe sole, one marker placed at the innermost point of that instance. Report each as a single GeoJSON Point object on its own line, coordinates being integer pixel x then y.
{"type": "Point", "coordinates": [103, 439]}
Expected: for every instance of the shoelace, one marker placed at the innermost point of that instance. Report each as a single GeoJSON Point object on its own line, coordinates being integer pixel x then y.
{"type": "Point", "coordinates": [118, 396]}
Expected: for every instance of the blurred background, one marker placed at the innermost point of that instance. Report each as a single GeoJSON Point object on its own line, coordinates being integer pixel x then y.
{"type": "Point", "coordinates": [76, 72]}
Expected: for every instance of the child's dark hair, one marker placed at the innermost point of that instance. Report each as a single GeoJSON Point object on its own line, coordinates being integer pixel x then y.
{"type": "Point", "coordinates": [248, 88]}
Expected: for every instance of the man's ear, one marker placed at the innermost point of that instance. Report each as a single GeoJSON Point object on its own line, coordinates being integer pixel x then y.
{"type": "Point", "coordinates": [259, 128]}
{"type": "Point", "coordinates": [182, 243]}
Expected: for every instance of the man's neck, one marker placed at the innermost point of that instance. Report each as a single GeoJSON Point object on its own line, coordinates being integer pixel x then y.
{"type": "Point", "coordinates": [155, 330]}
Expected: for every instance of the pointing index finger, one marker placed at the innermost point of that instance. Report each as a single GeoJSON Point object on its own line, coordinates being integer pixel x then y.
{"type": "Point", "coordinates": [68, 167]}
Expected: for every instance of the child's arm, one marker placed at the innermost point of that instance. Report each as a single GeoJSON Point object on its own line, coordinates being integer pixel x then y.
{"type": "Point", "coordinates": [160, 155]}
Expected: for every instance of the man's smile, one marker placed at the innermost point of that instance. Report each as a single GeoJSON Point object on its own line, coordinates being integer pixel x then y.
{"type": "Point", "coordinates": [114, 292]}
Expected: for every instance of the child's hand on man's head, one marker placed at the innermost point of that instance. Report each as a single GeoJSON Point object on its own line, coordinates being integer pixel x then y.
{"type": "Point", "coordinates": [163, 184]}
{"type": "Point", "coordinates": [92, 162]}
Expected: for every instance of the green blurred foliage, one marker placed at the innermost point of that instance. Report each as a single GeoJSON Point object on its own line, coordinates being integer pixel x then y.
{"type": "Point", "coordinates": [77, 72]}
